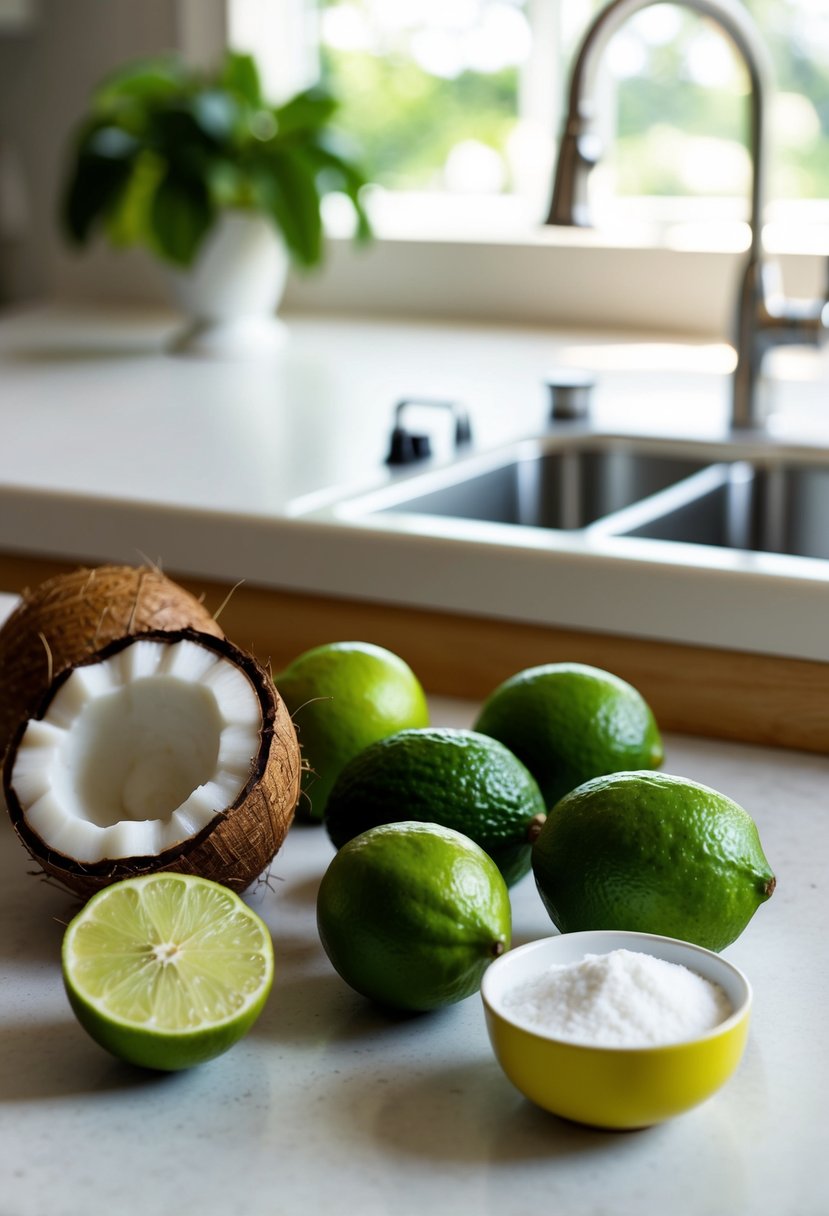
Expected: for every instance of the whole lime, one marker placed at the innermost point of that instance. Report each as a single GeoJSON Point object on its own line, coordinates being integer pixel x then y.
{"type": "Point", "coordinates": [343, 696]}
{"type": "Point", "coordinates": [652, 853]}
{"type": "Point", "coordinates": [411, 914]}
{"type": "Point", "coordinates": [569, 722]}
{"type": "Point", "coordinates": [454, 777]}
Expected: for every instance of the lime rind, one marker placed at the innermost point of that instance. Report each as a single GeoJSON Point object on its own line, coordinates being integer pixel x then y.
{"type": "Point", "coordinates": [654, 853]}
{"type": "Point", "coordinates": [462, 779]}
{"type": "Point", "coordinates": [569, 722]}
{"type": "Point", "coordinates": [167, 970]}
{"type": "Point", "coordinates": [343, 696]}
{"type": "Point", "coordinates": [411, 914]}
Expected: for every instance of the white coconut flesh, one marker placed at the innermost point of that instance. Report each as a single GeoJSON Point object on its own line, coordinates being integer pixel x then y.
{"type": "Point", "coordinates": [138, 752]}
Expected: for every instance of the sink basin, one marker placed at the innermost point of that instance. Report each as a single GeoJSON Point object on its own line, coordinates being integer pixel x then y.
{"type": "Point", "coordinates": [770, 508]}
{"type": "Point", "coordinates": [544, 484]}
{"type": "Point", "coordinates": [745, 496]}
{"type": "Point", "coordinates": [719, 543]}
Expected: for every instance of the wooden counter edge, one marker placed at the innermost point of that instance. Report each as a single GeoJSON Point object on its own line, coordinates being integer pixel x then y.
{"type": "Point", "coordinates": [699, 690]}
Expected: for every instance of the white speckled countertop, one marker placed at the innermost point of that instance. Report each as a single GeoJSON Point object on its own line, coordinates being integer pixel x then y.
{"type": "Point", "coordinates": [331, 1106]}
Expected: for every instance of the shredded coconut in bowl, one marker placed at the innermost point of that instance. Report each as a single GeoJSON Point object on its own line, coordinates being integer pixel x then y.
{"type": "Point", "coordinates": [620, 999]}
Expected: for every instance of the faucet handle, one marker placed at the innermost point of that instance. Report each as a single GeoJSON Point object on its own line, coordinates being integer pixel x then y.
{"type": "Point", "coordinates": [571, 390]}
{"type": "Point", "coordinates": [407, 447]}
{"type": "Point", "coordinates": [786, 319]}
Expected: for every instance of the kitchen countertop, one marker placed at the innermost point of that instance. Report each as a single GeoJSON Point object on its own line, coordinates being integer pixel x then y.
{"type": "Point", "coordinates": [93, 404]}
{"type": "Point", "coordinates": [115, 450]}
{"type": "Point", "coordinates": [330, 1105]}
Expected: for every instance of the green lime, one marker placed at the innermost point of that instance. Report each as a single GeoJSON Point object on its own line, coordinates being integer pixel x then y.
{"type": "Point", "coordinates": [569, 722]}
{"type": "Point", "coordinates": [411, 914]}
{"type": "Point", "coordinates": [652, 853]}
{"type": "Point", "coordinates": [342, 697]}
{"type": "Point", "coordinates": [457, 778]}
{"type": "Point", "coordinates": [167, 970]}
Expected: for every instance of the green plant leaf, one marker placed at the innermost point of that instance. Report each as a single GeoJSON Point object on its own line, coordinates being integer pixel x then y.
{"type": "Point", "coordinates": [240, 75]}
{"type": "Point", "coordinates": [174, 132]}
{"type": "Point", "coordinates": [306, 111]}
{"type": "Point", "coordinates": [180, 217]}
{"type": "Point", "coordinates": [262, 124]}
{"type": "Point", "coordinates": [216, 115]}
{"type": "Point", "coordinates": [127, 221]}
{"type": "Point", "coordinates": [176, 135]}
{"type": "Point", "coordinates": [339, 172]}
{"type": "Point", "coordinates": [228, 183]}
{"type": "Point", "coordinates": [102, 168]}
{"type": "Point", "coordinates": [146, 80]}
{"type": "Point", "coordinates": [285, 188]}
{"type": "Point", "coordinates": [110, 143]}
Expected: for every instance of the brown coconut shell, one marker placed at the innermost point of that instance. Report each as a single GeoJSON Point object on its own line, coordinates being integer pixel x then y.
{"type": "Point", "coordinates": [72, 615]}
{"type": "Point", "coordinates": [240, 842]}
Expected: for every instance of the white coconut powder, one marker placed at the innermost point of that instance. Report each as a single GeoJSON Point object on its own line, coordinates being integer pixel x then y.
{"type": "Point", "coordinates": [620, 999]}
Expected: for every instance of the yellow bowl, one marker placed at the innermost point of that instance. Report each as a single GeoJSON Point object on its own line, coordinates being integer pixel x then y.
{"type": "Point", "coordinates": [613, 1087]}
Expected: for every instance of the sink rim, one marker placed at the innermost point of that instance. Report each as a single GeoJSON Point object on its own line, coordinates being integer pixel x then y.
{"type": "Point", "coordinates": [409, 483]}
{"type": "Point", "coordinates": [382, 508]}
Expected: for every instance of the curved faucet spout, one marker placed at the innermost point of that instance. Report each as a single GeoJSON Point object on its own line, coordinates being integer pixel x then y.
{"type": "Point", "coordinates": [763, 317]}
{"type": "Point", "coordinates": [578, 148]}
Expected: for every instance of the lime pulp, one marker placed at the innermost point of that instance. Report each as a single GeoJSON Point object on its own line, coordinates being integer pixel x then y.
{"type": "Point", "coordinates": [167, 970]}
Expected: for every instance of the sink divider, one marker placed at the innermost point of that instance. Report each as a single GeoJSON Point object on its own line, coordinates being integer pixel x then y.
{"type": "Point", "coordinates": [664, 502]}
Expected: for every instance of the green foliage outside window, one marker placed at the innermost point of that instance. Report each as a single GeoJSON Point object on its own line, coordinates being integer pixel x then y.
{"type": "Point", "coordinates": [408, 120]}
{"type": "Point", "coordinates": [663, 97]}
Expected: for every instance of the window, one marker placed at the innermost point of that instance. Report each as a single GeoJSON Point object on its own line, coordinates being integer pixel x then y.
{"type": "Point", "coordinates": [446, 96]}
{"type": "Point", "coordinates": [456, 104]}
{"type": "Point", "coordinates": [433, 90]}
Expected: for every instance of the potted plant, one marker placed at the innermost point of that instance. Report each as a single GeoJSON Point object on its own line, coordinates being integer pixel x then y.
{"type": "Point", "coordinates": [219, 184]}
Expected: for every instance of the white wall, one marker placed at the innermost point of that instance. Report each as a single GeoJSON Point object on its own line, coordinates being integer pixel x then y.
{"type": "Point", "coordinates": [46, 74]}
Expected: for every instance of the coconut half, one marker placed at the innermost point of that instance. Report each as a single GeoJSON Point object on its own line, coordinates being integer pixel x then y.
{"type": "Point", "coordinates": [164, 751]}
{"type": "Point", "coordinates": [72, 615]}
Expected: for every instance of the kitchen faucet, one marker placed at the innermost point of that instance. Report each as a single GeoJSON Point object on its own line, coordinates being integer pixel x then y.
{"type": "Point", "coordinates": [764, 317]}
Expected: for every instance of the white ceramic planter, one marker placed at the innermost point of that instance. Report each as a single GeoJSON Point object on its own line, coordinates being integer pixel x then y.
{"type": "Point", "coordinates": [232, 291]}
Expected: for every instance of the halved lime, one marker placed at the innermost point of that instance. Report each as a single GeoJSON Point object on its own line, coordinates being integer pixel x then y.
{"type": "Point", "coordinates": [167, 970]}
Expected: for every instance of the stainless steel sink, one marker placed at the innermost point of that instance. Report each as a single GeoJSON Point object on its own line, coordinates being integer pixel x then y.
{"type": "Point", "coordinates": [721, 544]}
{"type": "Point", "coordinates": [750, 496]}
{"type": "Point", "coordinates": [770, 507]}
{"type": "Point", "coordinates": [543, 484]}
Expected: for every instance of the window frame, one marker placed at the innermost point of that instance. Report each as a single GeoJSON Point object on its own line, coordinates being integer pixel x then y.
{"type": "Point", "coordinates": [632, 279]}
